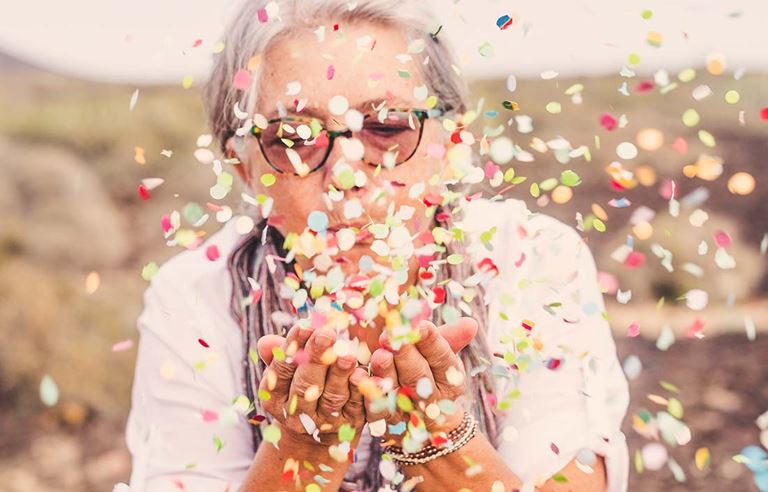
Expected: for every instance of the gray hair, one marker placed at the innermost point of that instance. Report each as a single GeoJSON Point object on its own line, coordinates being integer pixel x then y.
{"type": "Point", "coordinates": [246, 37]}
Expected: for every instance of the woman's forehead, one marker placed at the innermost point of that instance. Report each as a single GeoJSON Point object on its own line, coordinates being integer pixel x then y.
{"type": "Point", "coordinates": [369, 64]}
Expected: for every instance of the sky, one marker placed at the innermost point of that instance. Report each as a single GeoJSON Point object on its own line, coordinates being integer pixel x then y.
{"type": "Point", "coordinates": [151, 41]}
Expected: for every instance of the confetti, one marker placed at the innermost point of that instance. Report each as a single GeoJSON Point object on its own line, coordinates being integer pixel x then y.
{"type": "Point", "coordinates": [49, 391]}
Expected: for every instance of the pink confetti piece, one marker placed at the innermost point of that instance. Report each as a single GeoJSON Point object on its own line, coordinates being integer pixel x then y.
{"type": "Point", "coordinates": [330, 72]}
{"type": "Point", "coordinates": [633, 330]}
{"type": "Point", "coordinates": [122, 346]}
{"type": "Point", "coordinates": [212, 252]}
{"type": "Point", "coordinates": [680, 145]}
{"type": "Point", "coordinates": [608, 122]}
{"type": "Point", "coordinates": [197, 43]}
{"type": "Point", "coordinates": [554, 448]}
{"type": "Point", "coordinates": [723, 239]}
{"type": "Point", "coordinates": [242, 79]}
{"type": "Point", "coordinates": [209, 416]}
{"type": "Point", "coordinates": [262, 15]}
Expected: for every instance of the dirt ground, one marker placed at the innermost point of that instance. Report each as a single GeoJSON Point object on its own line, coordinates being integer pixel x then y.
{"type": "Point", "coordinates": [722, 382]}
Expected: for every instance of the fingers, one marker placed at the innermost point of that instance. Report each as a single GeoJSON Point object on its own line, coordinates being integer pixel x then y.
{"type": "Point", "coordinates": [459, 334]}
{"type": "Point", "coordinates": [336, 390]}
{"type": "Point", "coordinates": [444, 364]}
{"type": "Point", "coordinates": [309, 380]}
{"type": "Point", "coordinates": [266, 344]}
{"type": "Point", "coordinates": [410, 365]}
{"type": "Point", "coordinates": [381, 405]}
{"type": "Point", "coordinates": [278, 375]}
{"type": "Point", "coordinates": [354, 409]}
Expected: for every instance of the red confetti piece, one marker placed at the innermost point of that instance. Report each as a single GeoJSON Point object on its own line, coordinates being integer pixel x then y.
{"type": "Point", "coordinates": [203, 342]}
{"type": "Point", "coordinates": [212, 252]}
{"type": "Point", "coordinates": [553, 363]}
{"type": "Point", "coordinates": [487, 265]}
{"type": "Point", "coordinates": [696, 328]}
{"type": "Point", "coordinates": [608, 122]}
{"type": "Point", "coordinates": [554, 448]}
{"type": "Point", "coordinates": [439, 297]}
{"type": "Point", "coordinates": [430, 199]}
{"type": "Point", "coordinates": [242, 79]}
{"type": "Point", "coordinates": [165, 223]}
{"type": "Point", "coordinates": [634, 259]}
{"type": "Point", "coordinates": [143, 192]}
{"type": "Point", "coordinates": [764, 114]}
{"type": "Point", "coordinates": [645, 86]}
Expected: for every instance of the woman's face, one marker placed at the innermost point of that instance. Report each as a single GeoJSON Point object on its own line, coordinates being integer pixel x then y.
{"type": "Point", "coordinates": [365, 77]}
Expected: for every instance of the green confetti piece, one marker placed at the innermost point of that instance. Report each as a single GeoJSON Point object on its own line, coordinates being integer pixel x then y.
{"type": "Point", "coordinates": [647, 14]}
{"type": "Point", "coordinates": [687, 75]}
{"type": "Point", "coordinates": [707, 138]}
{"type": "Point", "coordinates": [149, 270]}
{"type": "Point", "coordinates": [264, 395]}
{"type": "Point", "coordinates": [192, 212]}
{"type": "Point", "coordinates": [455, 259]}
{"type": "Point", "coordinates": [554, 107]}
{"type": "Point", "coordinates": [278, 353]}
{"type": "Point", "coordinates": [268, 179]}
{"type": "Point", "coordinates": [599, 225]}
{"type": "Point", "coordinates": [691, 118]}
{"type": "Point", "coordinates": [535, 192]}
{"type": "Point", "coordinates": [669, 387]}
{"type": "Point", "coordinates": [218, 443]}
{"type": "Point", "coordinates": [49, 391]}
{"type": "Point", "coordinates": [486, 49]}
{"type": "Point", "coordinates": [346, 179]}
{"type": "Point", "coordinates": [548, 184]}
{"type": "Point", "coordinates": [732, 97]}
{"type": "Point", "coordinates": [346, 433]}
{"type": "Point", "coordinates": [675, 408]}
{"type": "Point", "coordinates": [560, 478]}
{"type": "Point", "coordinates": [271, 434]}
{"type": "Point", "coordinates": [570, 178]}
{"type": "Point", "coordinates": [404, 403]}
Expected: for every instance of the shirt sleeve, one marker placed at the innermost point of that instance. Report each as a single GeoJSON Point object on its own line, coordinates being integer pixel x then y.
{"type": "Point", "coordinates": [186, 429]}
{"type": "Point", "coordinates": [570, 394]}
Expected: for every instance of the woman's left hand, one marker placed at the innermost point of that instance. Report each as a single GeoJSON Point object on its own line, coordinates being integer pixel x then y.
{"type": "Point", "coordinates": [425, 372]}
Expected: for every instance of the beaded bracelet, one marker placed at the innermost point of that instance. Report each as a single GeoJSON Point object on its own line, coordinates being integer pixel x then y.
{"type": "Point", "coordinates": [456, 439]}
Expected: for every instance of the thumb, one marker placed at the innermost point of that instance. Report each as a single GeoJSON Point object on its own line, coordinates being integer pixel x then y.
{"type": "Point", "coordinates": [459, 333]}
{"type": "Point", "coordinates": [265, 345]}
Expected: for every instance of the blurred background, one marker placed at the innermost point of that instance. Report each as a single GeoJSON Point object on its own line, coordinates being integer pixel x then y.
{"type": "Point", "coordinates": [99, 99]}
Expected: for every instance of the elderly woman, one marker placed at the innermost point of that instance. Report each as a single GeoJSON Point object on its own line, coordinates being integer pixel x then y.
{"type": "Point", "coordinates": [373, 328]}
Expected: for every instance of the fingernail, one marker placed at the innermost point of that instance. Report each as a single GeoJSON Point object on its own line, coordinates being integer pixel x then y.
{"type": "Point", "coordinates": [323, 340]}
{"type": "Point", "coordinates": [423, 331]}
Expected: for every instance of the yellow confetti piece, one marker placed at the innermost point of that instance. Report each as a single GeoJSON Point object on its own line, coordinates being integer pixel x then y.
{"type": "Point", "coordinates": [741, 183]}
{"type": "Point", "coordinates": [702, 458]}
{"type": "Point", "coordinates": [138, 155]}
{"type": "Point", "coordinates": [92, 282]}
{"type": "Point", "coordinates": [187, 82]}
{"type": "Point", "coordinates": [312, 393]}
{"type": "Point", "coordinates": [554, 107]}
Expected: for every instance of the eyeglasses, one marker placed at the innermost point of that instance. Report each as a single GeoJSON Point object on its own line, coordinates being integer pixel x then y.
{"type": "Point", "coordinates": [298, 145]}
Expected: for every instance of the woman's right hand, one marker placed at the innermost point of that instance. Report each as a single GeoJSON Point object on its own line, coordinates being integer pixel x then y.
{"type": "Point", "coordinates": [313, 399]}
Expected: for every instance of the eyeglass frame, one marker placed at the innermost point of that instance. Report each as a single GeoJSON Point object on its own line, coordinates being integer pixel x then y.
{"type": "Point", "coordinates": [421, 114]}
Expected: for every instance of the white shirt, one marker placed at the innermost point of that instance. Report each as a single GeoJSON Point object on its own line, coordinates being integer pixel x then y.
{"type": "Point", "coordinates": [185, 433]}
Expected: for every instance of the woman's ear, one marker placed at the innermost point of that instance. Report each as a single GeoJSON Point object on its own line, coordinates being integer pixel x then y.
{"type": "Point", "coordinates": [241, 165]}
